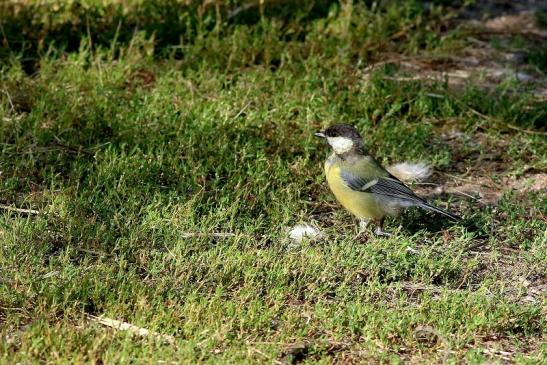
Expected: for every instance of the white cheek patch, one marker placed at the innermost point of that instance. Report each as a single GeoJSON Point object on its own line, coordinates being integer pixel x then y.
{"type": "Point", "coordinates": [340, 145]}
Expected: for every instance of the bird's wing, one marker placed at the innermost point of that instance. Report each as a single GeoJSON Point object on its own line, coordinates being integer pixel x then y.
{"type": "Point", "coordinates": [386, 186]}
{"type": "Point", "coordinates": [370, 177]}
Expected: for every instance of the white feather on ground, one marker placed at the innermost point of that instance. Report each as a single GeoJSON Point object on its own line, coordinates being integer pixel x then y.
{"type": "Point", "coordinates": [407, 171]}
{"type": "Point", "coordinates": [304, 231]}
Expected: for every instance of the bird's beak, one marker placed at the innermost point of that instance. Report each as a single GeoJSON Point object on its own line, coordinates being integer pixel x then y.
{"type": "Point", "coordinates": [319, 134]}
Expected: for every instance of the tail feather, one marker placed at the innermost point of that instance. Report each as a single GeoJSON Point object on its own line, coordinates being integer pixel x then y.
{"type": "Point", "coordinates": [432, 208]}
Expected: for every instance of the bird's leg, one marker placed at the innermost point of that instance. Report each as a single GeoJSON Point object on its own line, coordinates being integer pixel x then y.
{"type": "Point", "coordinates": [379, 230]}
{"type": "Point", "coordinates": [363, 224]}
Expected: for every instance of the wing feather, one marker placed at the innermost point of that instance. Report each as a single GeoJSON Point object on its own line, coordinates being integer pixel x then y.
{"type": "Point", "coordinates": [353, 181]}
{"type": "Point", "coordinates": [387, 186]}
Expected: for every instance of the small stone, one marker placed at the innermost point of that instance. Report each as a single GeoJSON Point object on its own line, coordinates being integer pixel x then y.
{"type": "Point", "coordinates": [300, 232]}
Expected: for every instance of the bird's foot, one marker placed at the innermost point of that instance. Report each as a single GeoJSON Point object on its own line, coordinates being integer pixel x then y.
{"type": "Point", "coordinates": [380, 232]}
{"type": "Point", "coordinates": [363, 232]}
{"type": "Point", "coordinates": [362, 227]}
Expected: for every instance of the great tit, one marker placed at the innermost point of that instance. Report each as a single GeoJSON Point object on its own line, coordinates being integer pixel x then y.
{"type": "Point", "coordinates": [362, 185]}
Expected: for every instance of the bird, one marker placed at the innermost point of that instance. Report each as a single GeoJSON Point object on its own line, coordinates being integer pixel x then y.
{"type": "Point", "coordinates": [362, 186]}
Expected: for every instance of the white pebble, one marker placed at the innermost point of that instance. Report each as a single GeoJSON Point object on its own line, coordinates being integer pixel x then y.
{"type": "Point", "coordinates": [304, 231]}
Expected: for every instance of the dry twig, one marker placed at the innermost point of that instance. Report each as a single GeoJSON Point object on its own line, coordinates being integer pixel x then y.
{"type": "Point", "coordinates": [19, 210]}
{"type": "Point", "coordinates": [124, 326]}
{"type": "Point", "coordinates": [206, 234]}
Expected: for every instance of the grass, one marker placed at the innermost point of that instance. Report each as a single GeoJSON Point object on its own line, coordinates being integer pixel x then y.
{"type": "Point", "coordinates": [126, 139]}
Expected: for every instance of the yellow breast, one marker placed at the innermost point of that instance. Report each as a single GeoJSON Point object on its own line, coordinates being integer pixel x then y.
{"type": "Point", "coordinates": [362, 205]}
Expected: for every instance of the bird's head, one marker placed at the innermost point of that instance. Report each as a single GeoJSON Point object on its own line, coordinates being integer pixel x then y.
{"type": "Point", "coordinates": [343, 139]}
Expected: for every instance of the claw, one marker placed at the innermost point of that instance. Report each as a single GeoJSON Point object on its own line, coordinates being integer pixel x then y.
{"type": "Point", "coordinates": [380, 232]}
